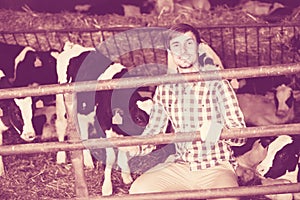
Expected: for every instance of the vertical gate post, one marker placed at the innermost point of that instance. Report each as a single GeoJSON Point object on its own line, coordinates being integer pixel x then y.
{"type": "Point", "coordinates": [76, 156]}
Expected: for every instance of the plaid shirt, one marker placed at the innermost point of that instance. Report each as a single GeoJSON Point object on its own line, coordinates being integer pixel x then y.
{"type": "Point", "coordinates": [188, 106]}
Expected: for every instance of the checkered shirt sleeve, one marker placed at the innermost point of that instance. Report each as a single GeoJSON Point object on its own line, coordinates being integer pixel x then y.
{"type": "Point", "coordinates": [230, 109]}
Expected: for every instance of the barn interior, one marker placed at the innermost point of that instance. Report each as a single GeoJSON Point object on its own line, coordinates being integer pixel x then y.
{"type": "Point", "coordinates": [258, 38]}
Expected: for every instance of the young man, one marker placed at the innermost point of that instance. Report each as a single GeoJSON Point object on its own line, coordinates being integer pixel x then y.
{"type": "Point", "coordinates": [208, 107]}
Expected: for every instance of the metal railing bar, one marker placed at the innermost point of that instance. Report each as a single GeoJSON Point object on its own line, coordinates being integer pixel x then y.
{"type": "Point", "coordinates": [258, 46]}
{"type": "Point", "coordinates": [86, 86]}
{"type": "Point", "coordinates": [210, 193]}
{"type": "Point", "coordinates": [249, 132]}
{"type": "Point", "coordinates": [47, 39]}
{"type": "Point", "coordinates": [37, 40]}
{"type": "Point", "coordinates": [246, 46]}
{"type": "Point", "coordinates": [15, 39]}
{"type": "Point", "coordinates": [234, 46]}
{"type": "Point", "coordinates": [124, 28]}
{"type": "Point", "coordinates": [270, 48]}
{"type": "Point", "coordinates": [222, 44]}
{"type": "Point", "coordinates": [282, 46]}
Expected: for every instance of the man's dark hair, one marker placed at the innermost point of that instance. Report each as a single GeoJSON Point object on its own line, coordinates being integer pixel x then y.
{"type": "Point", "coordinates": [177, 29]}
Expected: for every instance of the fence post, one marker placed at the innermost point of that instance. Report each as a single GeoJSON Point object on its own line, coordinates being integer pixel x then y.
{"type": "Point", "coordinates": [76, 156]}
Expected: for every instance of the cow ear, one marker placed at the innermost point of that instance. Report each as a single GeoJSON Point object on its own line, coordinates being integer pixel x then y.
{"type": "Point", "coordinates": [54, 54]}
{"type": "Point", "coordinates": [68, 45]}
{"type": "Point", "coordinates": [270, 96]}
{"type": "Point", "coordinates": [296, 95]}
{"type": "Point", "coordinates": [1, 74]}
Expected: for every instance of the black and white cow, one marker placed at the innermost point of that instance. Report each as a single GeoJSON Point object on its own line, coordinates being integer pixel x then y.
{"type": "Point", "coordinates": [114, 113]}
{"type": "Point", "coordinates": [14, 114]}
{"type": "Point", "coordinates": [37, 68]}
{"type": "Point", "coordinates": [10, 58]}
{"type": "Point", "coordinates": [67, 74]}
{"type": "Point", "coordinates": [271, 161]}
{"type": "Point", "coordinates": [122, 112]}
{"type": "Point", "coordinates": [23, 66]}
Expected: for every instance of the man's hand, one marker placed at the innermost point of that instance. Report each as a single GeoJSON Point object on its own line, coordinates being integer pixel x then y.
{"type": "Point", "coordinates": [138, 150]}
{"type": "Point", "coordinates": [211, 131]}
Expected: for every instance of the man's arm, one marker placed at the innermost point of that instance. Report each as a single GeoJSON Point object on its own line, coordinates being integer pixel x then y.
{"type": "Point", "coordinates": [158, 122]}
{"type": "Point", "coordinates": [230, 110]}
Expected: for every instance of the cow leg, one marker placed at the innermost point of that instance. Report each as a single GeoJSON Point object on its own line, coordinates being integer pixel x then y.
{"type": "Point", "coordinates": [83, 122]}
{"type": "Point", "coordinates": [1, 161]}
{"type": "Point", "coordinates": [2, 129]}
{"type": "Point", "coordinates": [110, 160]}
{"type": "Point", "coordinates": [61, 126]}
{"type": "Point", "coordinates": [48, 128]}
{"type": "Point", "coordinates": [87, 159]}
{"type": "Point", "coordinates": [123, 163]}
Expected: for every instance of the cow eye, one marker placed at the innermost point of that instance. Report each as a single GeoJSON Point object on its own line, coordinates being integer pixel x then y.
{"type": "Point", "coordinates": [290, 101]}
{"type": "Point", "coordinates": [138, 119]}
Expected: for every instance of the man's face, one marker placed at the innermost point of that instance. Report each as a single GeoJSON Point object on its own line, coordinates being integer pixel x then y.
{"type": "Point", "coordinates": [184, 50]}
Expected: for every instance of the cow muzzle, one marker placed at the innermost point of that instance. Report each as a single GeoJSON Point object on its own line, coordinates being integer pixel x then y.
{"type": "Point", "coordinates": [281, 113]}
{"type": "Point", "coordinates": [28, 136]}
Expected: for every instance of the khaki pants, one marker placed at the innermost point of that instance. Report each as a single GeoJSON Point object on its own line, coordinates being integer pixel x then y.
{"type": "Point", "coordinates": [170, 176]}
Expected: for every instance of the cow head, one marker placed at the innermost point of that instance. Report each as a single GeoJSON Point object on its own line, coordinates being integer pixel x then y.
{"type": "Point", "coordinates": [248, 161]}
{"type": "Point", "coordinates": [26, 131]}
{"type": "Point", "coordinates": [130, 118]}
{"type": "Point", "coordinates": [284, 100]}
{"type": "Point", "coordinates": [42, 66]}
{"type": "Point", "coordinates": [140, 117]}
{"type": "Point", "coordinates": [17, 113]}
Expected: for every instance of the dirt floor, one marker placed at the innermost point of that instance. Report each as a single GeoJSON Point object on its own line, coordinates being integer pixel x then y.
{"type": "Point", "coordinates": [37, 176]}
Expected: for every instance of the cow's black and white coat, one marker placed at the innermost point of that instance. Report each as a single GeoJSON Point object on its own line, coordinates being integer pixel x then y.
{"type": "Point", "coordinates": [122, 112]}
{"type": "Point", "coordinates": [63, 59]}
{"type": "Point", "coordinates": [282, 159]}
{"type": "Point", "coordinates": [21, 67]}
{"type": "Point", "coordinates": [10, 57]}
{"type": "Point", "coordinates": [274, 160]}
{"type": "Point", "coordinates": [12, 117]}
{"type": "Point", "coordinates": [114, 112]}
